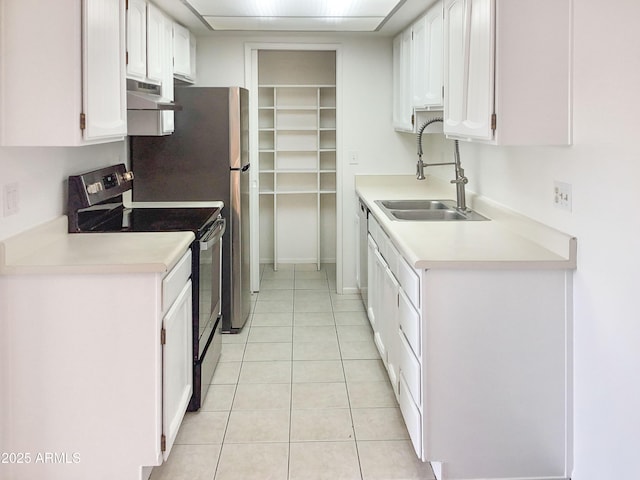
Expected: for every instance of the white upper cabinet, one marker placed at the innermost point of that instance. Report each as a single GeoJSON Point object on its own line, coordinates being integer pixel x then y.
{"type": "Point", "coordinates": [418, 70]}
{"type": "Point", "coordinates": [402, 111]}
{"type": "Point", "coordinates": [506, 81]}
{"type": "Point", "coordinates": [155, 46]}
{"type": "Point", "coordinates": [63, 67]}
{"type": "Point", "coordinates": [137, 39]}
{"type": "Point", "coordinates": [145, 47]}
{"type": "Point", "coordinates": [168, 117]}
{"type": "Point", "coordinates": [427, 51]}
{"type": "Point", "coordinates": [184, 48]}
{"type": "Point", "coordinates": [155, 68]}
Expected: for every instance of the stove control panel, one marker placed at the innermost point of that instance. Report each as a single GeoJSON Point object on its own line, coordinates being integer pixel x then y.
{"type": "Point", "coordinates": [98, 186]}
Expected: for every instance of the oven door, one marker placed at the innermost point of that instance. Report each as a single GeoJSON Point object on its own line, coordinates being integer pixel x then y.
{"type": "Point", "coordinates": [209, 283]}
{"type": "Point", "coordinates": [208, 347]}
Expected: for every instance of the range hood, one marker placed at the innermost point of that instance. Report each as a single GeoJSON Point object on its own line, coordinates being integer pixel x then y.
{"type": "Point", "coordinates": [142, 100]}
{"type": "Point", "coordinates": [148, 112]}
{"type": "Point", "coordinates": [145, 96]}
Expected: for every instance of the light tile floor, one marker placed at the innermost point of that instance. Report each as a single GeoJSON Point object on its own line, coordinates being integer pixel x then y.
{"type": "Point", "coordinates": [299, 394]}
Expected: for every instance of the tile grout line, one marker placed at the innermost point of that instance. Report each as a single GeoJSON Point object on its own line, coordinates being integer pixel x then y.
{"type": "Point", "coordinates": [346, 387]}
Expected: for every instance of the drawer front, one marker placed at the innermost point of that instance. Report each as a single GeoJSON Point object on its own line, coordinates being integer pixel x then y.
{"type": "Point", "coordinates": [175, 280]}
{"type": "Point", "coordinates": [393, 258]}
{"type": "Point", "coordinates": [412, 417]}
{"type": "Point", "coordinates": [410, 369]}
{"type": "Point", "coordinates": [410, 324]}
{"type": "Point", "coordinates": [410, 282]}
{"type": "Point", "coordinates": [374, 230]}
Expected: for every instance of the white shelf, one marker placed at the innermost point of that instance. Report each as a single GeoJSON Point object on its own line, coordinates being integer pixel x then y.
{"type": "Point", "coordinates": [297, 143]}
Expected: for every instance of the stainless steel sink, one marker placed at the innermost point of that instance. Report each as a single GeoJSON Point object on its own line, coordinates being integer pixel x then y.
{"type": "Point", "coordinates": [426, 211]}
{"type": "Point", "coordinates": [425, 215]}
{"type": "Point", "coordinates": [417, 204]}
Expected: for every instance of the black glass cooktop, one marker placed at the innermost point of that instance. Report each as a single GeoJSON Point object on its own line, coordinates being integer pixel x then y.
{"type": "Point", "coordinates": [120, 219]}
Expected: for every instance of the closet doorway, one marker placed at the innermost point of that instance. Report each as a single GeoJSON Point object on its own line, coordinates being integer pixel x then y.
{"type": "Point", "coordinates": [295, 157]}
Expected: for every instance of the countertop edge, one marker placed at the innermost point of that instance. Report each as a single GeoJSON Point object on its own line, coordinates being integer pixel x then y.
{"type": "Point", "coordinates": [77, 253]}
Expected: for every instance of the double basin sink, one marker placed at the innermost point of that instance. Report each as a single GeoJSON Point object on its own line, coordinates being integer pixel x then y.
{"type": "Point", "coordinates": [426, 210]}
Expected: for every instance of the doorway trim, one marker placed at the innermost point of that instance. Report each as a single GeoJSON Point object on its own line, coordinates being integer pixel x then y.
{"type": "Point", "coordinates": [251, 80]}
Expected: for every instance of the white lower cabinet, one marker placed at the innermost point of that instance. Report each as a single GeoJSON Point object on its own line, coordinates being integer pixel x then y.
{"type": "Point", "coordinates": [176, 339]}
{"type": "Point", "coordinates": [480, 362]}
{"type": "Point", "coordinates": [97, 371]}
{"type": "Point", "coordinates": [383, 300]}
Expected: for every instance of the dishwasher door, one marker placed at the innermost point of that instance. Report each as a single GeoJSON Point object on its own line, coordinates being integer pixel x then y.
{"type": "Point", "coordinates": [363, 216]}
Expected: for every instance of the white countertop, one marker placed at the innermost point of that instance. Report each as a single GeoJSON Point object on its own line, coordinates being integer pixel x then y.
{"type": "Point", "coordinates": [49, 249]}
{"type": "Point", "coordinates": [508, 240]}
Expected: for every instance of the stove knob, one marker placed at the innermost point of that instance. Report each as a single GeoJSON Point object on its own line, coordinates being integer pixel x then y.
{"type": "Point", "coordinates": [127, 176]}
{"type": "Point", "coordinates": [93, 188]}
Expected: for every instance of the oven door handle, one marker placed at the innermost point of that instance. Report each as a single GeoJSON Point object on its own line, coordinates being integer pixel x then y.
{"type": "Point", "coordinates": [219, 227]}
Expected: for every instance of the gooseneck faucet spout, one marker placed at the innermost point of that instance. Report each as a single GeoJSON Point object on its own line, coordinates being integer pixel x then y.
{"type": "Point", "coordinates": [420, 166]}
{"type": "Point", "coordinates": [460, 180]}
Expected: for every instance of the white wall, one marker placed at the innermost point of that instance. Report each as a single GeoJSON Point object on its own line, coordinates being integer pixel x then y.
{"type": "Point", "coordinates": [41, 175]}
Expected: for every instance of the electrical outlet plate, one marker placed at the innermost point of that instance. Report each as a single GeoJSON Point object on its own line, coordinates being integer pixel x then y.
{"type": "Point", "coordinates": [562, 197]}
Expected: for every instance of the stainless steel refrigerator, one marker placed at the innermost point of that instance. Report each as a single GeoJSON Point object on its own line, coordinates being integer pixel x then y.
{"type": "Point", "coordinates": [206, 159]}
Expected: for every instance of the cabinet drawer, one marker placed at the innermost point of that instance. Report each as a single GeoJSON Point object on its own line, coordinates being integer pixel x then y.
{"type": "Point", "coordinates": [374, 230]}
{"type": "Point", "coordinates": [393, 258]}
{"type": "Point", "coordinates": [411, 415]}
{"type": "Point", "coordinates": [410, 282]}
{"type": "Point", "coordinates": [386, 248]}
{"type": "Point", "coordinates": [174, 281]}
{"type": "Point", "coordinates": [410, 369]}
{"type": "Point", "coordinates": [410, 323]}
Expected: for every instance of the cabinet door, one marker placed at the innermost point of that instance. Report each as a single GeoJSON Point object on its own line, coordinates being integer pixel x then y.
{"type": "Point", "coordinates": [166, 90]}
{"type": "Point", "coordinates": [402, 111]}
{"type": "Point", "coordinates": [390, 325]}
{"type": "Point", "coordinates": [177, 367]}
{"type": "Point", "coordinates": [104, 88]}
{"type": "Point", "coordinates": [427, 60]}
{"type": "Point", "coordinates": [372, 287]}
{"type": "Point", "coordinates": [469, 32]}
{"type": "Point", "coordinates": [181, 51]}
{"type": "Point", "coordinates": [155, 45]}
{"type": "Point", "coordinates": [137, 40]}
{"type": "Point", "coordinates": [379, 305]}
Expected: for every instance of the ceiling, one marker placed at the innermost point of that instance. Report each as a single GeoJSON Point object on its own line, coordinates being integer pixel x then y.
{"type": "Point", "coordinates": [383, 17]}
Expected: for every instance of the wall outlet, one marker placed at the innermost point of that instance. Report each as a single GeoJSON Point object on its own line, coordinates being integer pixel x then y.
{"type": "Point", "coordinates": [353, 157]}
{"type": "Point", "coordinates": [562, 197]}
{"type": "Point", "coordinates": [10, 199]}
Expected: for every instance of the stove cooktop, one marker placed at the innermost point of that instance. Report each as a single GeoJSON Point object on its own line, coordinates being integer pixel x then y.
{"type": "Point", "coordinates": [121, 219]}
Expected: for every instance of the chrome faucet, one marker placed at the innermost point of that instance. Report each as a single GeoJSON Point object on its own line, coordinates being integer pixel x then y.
{"type": "Point", "coordinates": [460, 179]}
